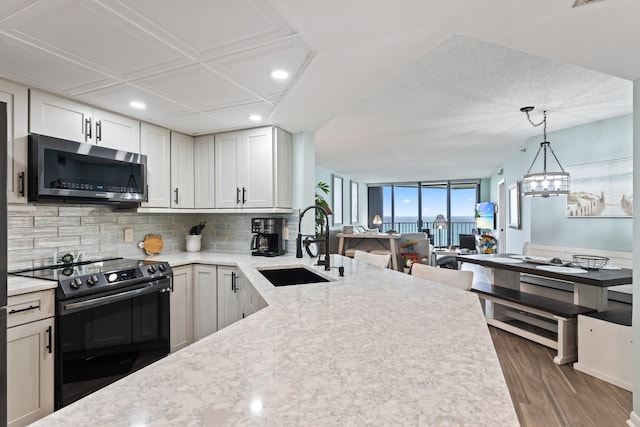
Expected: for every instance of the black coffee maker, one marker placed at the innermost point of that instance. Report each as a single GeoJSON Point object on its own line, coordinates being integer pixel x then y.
{"type": "Point", "coordinates": [267, 238]}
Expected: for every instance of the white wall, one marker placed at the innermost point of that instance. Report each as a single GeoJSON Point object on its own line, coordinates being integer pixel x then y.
{"type": "Point", "coordinates": [326, 175]}
{"type": "Point", "coordinates": [544, 221]}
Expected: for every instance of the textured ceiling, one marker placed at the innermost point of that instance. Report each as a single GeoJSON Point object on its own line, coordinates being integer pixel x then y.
{"type": "Point", "coordinates": [456, 111]}
{"type": "Point", "coordinates": [394, 90]}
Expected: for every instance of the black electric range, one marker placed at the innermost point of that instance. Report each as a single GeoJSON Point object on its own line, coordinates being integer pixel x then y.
{"type": "Point", "coordinates": [98, 276]}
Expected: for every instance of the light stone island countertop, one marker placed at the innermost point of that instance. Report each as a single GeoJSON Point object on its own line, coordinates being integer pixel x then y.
{"type": "Point", "coordinates": [375, 347]}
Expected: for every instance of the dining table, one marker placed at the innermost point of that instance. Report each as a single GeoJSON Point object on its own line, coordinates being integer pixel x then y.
{"type": "Point", "coordinates": [589, 285]}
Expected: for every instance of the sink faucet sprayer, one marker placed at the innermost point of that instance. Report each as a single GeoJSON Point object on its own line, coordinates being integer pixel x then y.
{"type": "Point", "coordinates": [308, 241]}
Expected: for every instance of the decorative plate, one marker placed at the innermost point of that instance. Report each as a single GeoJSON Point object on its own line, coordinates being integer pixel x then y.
{"type": "Point", "coordinates": [152, 244]}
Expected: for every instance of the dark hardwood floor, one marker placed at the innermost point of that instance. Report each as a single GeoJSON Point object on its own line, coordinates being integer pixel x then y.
{"type": "Point", "coordinates": [546, 394]}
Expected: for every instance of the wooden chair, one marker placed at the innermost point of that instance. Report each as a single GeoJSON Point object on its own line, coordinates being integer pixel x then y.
{"type": "Point", "coordinates": [379, 260]}
{"type": "Point", "coordinates": [460, 279]}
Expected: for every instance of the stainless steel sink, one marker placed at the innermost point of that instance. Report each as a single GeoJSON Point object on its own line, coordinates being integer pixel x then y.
{"type": "Point", "coordinates": [289, 276]}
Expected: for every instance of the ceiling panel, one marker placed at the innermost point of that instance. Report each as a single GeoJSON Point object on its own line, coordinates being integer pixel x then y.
{"type": "Point", "coordinates": [213, 26]}
{"type": "Point", "coordinates": [254, 67]}
{"type": "Point", "coordinates": [9, 7]}
{"type": "Point", "coordinates": [198, 86]}
{"type": "Point", "coordinates": [32, 66]}
{"type": "Point", "coordinates": [240, 114]}
{"type": "Point", "coordinates": [90, 34]}
{"type": "Point", "coordinates": [196, 123]}
{"type": "Point", "coordinates": [117, 98]}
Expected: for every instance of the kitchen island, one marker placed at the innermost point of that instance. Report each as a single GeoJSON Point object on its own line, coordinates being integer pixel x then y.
{"type": "Point", "coordinates": [375, 347]}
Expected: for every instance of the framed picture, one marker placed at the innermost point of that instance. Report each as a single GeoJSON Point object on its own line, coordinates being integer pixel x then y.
{"type": "Point", "coordinates": [514, 205]}
{"type": "Point", "coordinates": [354, 202]}
{"type": "Point", "coordinates": [601, 189]}
{"type": "Point", "coordinates": [337, 200]}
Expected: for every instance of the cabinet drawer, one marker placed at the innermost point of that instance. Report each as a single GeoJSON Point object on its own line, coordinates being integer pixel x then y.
{"type": "Point", "coordinates": [30, 307]}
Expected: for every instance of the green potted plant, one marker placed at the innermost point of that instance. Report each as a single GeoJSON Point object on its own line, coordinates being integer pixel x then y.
{"type": "Point", "coordinates": [322, 189]}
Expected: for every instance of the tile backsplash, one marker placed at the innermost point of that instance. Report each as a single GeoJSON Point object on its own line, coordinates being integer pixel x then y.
{"type": "Point", "coordinates": [38, 233]}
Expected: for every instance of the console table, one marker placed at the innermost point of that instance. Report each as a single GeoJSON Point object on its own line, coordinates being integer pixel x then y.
{"type": "Point", "coordinates": [392, 239]}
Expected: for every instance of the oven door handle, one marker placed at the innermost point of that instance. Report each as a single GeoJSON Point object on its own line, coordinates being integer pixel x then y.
{"type": "Point", "coordinates": [94, 302]}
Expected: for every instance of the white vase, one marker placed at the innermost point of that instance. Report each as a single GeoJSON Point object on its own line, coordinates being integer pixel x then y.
{"type": "Point", "coordinates": [194, 242]}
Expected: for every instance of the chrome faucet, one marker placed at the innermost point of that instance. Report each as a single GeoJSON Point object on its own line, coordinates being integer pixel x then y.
{"type": "Point", "coordinates": [307, 241]}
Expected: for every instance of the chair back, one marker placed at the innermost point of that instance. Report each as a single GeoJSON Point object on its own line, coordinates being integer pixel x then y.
{"type": "Point", "coordinates": [460, 279]}
{"type": "Point", "coordinates": [379, 260]}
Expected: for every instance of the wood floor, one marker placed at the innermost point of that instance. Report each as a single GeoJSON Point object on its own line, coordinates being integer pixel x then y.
{"type": "Point", "coordinates": [546, 394]}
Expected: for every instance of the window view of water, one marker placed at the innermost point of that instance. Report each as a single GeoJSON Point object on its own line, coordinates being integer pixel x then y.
{"type": "Point", "coordinates": [404, 205]}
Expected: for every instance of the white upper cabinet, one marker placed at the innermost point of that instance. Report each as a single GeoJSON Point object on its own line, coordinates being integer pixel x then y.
{"type": "Point", "coordinates": [155, 143]}
{"type": "Point", "coordinates": [249, 166]}
{"type": "Point", "coordinates": [227, 191]}
{"type": "Point", "coordinates": [62, 118]}
{"type": "Point", "coordinates": [283, 159]}
{"type": "Point", "coordinates": [204, 171]}
{"type": "Point", "coordinates": [17, 99]}
{"type": "Point", "coordinates": [182, 174]}
{"type": "Point", "coordinates": [256, 168]}
{"type": "Point", "coordinates": [117, 132]}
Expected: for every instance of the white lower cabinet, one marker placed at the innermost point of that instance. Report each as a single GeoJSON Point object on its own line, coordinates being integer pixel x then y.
{"type": "Point", "coordinates": [182, 308]}
{"type": "Point", "coordinates": [30, 357]}
{"type": "Point", "coordinates": [228, 301]}
{"type": "Point", "coordinates": [250, 299]}
{"type": "Point", "coordinates": [206, 300]}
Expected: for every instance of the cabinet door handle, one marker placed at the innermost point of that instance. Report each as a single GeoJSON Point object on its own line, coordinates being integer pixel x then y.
{"type": "Point", "coordinates": [87, 128]}
{"type": "Point", "coordinates": [244, 195]}
{"type": "Point", "coordinates": [49, 340]}
{"type": "Point", "coordinates": [99, 131]}
{"type": "Point", "coordinates": [20, 310]}
{"type": "Point", "coordinates": [176, 191]}
{"type": "Point", "coordinates": [233, 282]}
{"type": "Point", "coordinates": [237, 195]}
{"type": "Point", "coordinates": [21, 184]}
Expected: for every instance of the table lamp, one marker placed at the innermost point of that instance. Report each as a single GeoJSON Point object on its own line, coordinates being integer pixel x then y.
{"type": "Point", "coordinates": [377, 220]}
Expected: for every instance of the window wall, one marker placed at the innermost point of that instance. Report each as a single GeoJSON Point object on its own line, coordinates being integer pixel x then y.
{"type": "Point", "coordinates": [413, 207]}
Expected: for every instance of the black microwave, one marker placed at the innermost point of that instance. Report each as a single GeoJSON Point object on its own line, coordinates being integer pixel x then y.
{"type": "Point", "coordinates": [68, 171]}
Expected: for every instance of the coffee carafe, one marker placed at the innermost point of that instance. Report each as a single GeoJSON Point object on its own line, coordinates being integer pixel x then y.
{"type": "Point", "coordinates": [267, 239]}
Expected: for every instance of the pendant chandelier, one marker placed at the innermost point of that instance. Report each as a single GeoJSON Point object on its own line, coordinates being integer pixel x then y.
{"type": "Point", "coordinates": [545, 183]}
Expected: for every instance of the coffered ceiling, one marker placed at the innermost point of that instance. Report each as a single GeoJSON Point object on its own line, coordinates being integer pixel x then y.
{"type": "Point", "coordinates": [395, 91]}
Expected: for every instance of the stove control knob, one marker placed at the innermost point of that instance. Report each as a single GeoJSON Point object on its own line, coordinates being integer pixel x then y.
{"type": "Point", "coordinates": [112, 277]}
{"type": "Point", "coordinates": [92, 280]}
{"type": "Point", "coordinates": [76, 283]}
{"type": "Point", "coordinates": [151, 269]}
{"type": "Point", "coordinates": [162, 267]}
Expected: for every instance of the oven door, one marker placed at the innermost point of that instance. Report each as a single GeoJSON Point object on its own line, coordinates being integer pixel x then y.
{"type": "Point", "coordinates": [102, 338]}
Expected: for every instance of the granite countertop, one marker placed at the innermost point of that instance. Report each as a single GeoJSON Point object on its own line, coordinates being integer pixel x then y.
{"type": "Point", "coordinates": [375, 347]}
{"type": "Point", "coordinates": [17, 285]}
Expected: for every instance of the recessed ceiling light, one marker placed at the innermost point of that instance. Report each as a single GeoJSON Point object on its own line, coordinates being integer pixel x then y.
{"type": "Point", "coordinates": [255, 117]}
{"type": "Point", "coordinates": [137, 104]}
{"type": "Point", "coordinates": [279, 74]}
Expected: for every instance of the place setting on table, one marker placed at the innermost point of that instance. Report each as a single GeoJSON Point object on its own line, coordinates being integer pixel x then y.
{"type": "Point", "coordinates": [579, 264]}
